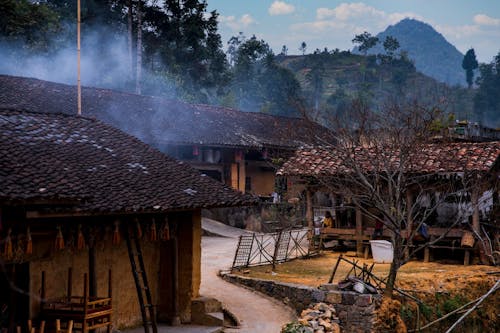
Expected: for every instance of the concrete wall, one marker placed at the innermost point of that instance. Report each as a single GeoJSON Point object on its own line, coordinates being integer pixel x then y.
{"type": "Point", "coordinates": [356, 312]}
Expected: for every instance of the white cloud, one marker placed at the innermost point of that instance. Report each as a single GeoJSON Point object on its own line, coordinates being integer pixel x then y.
{"type": "Point", "coordinates": [348, 11]}
{"type": "Point", "coordinates": [246, 20]}
{"type": "Point", "coordinates": [237, 24]}
{"type": "Point", "coordinates": [350, 19]}
{"type": "Point", "coordinates": [483, 19]}
{"type": "Point", "coordinates": [280, 8]}
{"type": "Point", "coordinates": [476, 36]}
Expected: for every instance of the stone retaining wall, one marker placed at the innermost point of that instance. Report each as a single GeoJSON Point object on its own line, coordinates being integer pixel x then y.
{"type": "Point", "coordinates": [356, 312]}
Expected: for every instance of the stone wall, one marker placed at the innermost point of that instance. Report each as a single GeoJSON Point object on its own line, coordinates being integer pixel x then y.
{"type": "Point", "coordinates": [356, 312]}
{"type": "Point", "coordinates": [260, 218]}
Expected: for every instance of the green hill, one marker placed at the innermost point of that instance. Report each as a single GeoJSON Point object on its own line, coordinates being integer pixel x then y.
{"type": "Point", "coordinates": [330, 80]}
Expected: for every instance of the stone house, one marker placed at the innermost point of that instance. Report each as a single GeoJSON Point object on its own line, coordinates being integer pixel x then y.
{"type": "Point", "coordinates": [71, 190]}
{"type": "Point", "coordinates": [241, 149]}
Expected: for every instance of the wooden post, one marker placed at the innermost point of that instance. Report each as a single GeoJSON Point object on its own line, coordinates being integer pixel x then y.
{"type": "Point", "coordinates": [466, 258]}
{"type": "Point", "coordinates": [70, 283]}
{"type": "Point", "coordinates": [309, 210]}
{"type": "Point", "coordinates": [475, 212]}
{"type": "Point", "coordinates": [409, 221]}
{"type": "Point", "coordinates": [427, 254]}
{"type": "Point", "coordinates": [176, 321]}
{"type": "Point", "coordinates": [110, 284]}
{"type": "Point", "coordinates": [92, 266]}
{"type": "Point", "coordinates": [42, 291]}
{"type": "Point", "coordinates": [79, 84]}
{"type": "Point", "coordinates": [359, 232]}
{"type": "Point", "coordinates": [242, 174]}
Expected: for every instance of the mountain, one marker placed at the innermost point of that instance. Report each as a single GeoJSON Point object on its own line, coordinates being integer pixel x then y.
{"type": "Point", "coordinates": [432, 53]}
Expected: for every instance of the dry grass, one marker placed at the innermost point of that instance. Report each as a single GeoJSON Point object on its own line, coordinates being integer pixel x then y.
{"type": "Point", "coordinates": [434, 283]}
{"type": "Point", "coordinates": [414, 275]}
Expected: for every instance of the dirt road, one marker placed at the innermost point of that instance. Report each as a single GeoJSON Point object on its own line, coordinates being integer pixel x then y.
{"type": "Point", "coordinates": [256, 312]}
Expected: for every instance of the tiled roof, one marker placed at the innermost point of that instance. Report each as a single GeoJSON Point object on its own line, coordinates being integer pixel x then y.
{"type": "Point", "coordinates": [431, 158]}
{"type": "Point", "coordinates": [161, 121]}
{"type": "Point", "coordinates": [47, 156]}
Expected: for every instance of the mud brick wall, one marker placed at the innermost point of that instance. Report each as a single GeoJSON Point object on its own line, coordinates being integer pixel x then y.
{"type": "Point", "coordinates": [356, 312]}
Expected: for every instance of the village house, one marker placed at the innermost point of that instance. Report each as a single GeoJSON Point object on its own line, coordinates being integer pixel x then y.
{"type": "Point", "coordinates": [80, 202]}
{"type": "Point", "coordinates": [240, 149]}
{"type": "Point", "coordinates": [452, 187]}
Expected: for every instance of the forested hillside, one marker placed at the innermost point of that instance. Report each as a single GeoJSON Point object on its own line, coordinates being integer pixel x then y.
{"type": "Point", "coordinates": [174, 49]}
{"type": "Point", "coordinates": [331, 80]}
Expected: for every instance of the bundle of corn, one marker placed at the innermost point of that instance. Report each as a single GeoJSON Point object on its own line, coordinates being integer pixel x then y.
{"type": "Point", "coordinates": [319, 318]}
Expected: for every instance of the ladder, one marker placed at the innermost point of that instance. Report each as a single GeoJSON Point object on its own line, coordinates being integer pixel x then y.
{"type": "Point", "coordinates": [141, 281]}
{"type": "Point", "coordinates": [243, 254]}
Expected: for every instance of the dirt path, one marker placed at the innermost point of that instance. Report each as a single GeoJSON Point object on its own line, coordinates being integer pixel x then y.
{"type": "Point", "coordinates": [256, 312]}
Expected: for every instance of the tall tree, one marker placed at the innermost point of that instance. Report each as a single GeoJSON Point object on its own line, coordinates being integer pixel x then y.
{"type": "Point", "coordinates": [232, 46]}
{"type": "Point", "coordinates": [487, 98]}
{"type": "Point", "coordinates": [259, 84]}
{"type": "Point", "coordinates": [365, 41]}
{"type": "Point", "coordinates": [303, 48]}
{"type": "Point", "coordinates": [391, 44]}
{"type": "Point", "coordinates": [138, 76]}
{"type": "Point", "coordinates": [183, 40]}
{"type": "Point", "coordinates": [469, 63]}
{"type": "Point", "coordinates": [284, 50]}
{"type": "Point", "coordinates": [32, 24]}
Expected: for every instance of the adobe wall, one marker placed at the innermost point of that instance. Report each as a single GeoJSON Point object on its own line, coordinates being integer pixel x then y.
{"type": "Point", "coordinates": [356, 312]}
{"type": "Point", "coordinates": [126, 311]}
{"type": "Point", "coordinates": [189, 243]}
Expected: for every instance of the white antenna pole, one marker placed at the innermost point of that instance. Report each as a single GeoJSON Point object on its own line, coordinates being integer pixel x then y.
{"type": "Point", "coordinates": [79, 84]}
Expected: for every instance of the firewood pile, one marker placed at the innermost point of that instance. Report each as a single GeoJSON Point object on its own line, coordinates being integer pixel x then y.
{"type": "Point", "coordinates": [320, 318]}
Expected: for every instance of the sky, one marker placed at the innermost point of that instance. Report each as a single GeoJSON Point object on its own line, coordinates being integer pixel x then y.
{"type": "Point", "coordinates": [333, 24]}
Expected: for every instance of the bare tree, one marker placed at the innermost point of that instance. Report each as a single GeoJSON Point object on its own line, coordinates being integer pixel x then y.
{"type": "Point", "coordinates": [388, 170]}
{"type": "Point", "coordinates": [391, 168]}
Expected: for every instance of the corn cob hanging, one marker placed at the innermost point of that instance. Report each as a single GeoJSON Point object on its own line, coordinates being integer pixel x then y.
{"type": "Point", "coordinates": [165, 235]}
{"type": "Point", "coordinates": [139, 229]}
{"type": "Point", "coordinates": [116, 234]}
{"type": "Point", "coordinates": [80, 243]}
{"type": "Point", "coordinates": [59, 245]}
{"type": "Point", "coordinates": [153, 236]}
{"type": "Point", "coordinates": [29, 243]}
{"type": "Point", "coordinates": [8, 245]}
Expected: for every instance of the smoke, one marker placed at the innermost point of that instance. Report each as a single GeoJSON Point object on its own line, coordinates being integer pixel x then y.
{"type": "Point", "coordinates": [105, 63]}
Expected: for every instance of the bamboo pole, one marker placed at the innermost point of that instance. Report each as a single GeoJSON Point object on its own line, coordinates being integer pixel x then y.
{"type": "Point", "coordinates": [79, 84]}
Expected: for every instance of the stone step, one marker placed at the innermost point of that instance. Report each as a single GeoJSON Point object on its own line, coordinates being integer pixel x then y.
{"type": "Point", "coordinates": [208, 319]}
{"type": "Point", "coordinates": [205, 305]}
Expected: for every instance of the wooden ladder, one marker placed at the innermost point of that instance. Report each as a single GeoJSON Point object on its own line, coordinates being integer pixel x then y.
{"type": "Point", "coordinates": [141, 281]}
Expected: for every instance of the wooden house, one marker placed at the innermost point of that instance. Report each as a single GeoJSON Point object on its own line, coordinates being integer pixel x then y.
{"type": "Point", "coordinates": [80, 199]}
{"type": "Point", "coordinates": [435, 171]}
{"type": "Point", "coordinates": [240, 149]}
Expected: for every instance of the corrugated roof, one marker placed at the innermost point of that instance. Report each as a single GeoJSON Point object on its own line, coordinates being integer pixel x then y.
{"type": "Point", "coordinates": [57, 156]}
{"type": "Point", "coordinates": [430, 158]}
{"type": "Point", "coordinates": [161, 121]}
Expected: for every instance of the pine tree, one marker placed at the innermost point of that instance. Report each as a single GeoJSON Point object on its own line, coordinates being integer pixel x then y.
{"type": "Point", "coordinates": [470, 64]}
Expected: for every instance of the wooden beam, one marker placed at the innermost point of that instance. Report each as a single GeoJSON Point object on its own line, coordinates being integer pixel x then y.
{"type": "Point", "coordinates": [309, 209]}
{"type": "Point", "coordinates": [475, 212]}
{"type": "Point", "coordinates": [359, 232]}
